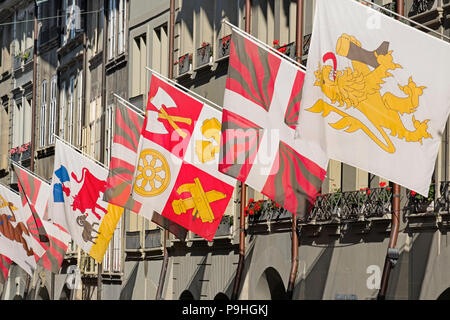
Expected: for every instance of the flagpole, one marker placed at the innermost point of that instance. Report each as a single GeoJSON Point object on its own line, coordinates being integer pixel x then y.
{"type": "Point", "coordinates": [129, 105]}
{"type": "Point", "coordinates": [264, 45]}
{"type": "Point", "coordinates": [390, 259]}
{"type": "Point", "coordinates": [162, 276]}
{"type": "Point", "coordinates": [294, 240]}
{"type": "Point", "coordinates": [83, 153]}
{"type": "Point", "coordinates": [402, 16]}
{"type": "Point", "coordinates": [240, 267]}
{"type": "Point", "coordinates": [188, 92]}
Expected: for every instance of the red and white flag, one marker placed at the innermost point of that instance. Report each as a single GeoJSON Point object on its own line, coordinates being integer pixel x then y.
{"type": "Point", "coordinates": [5, 264]}
{"type": "Point", "coordinates": [176, 170]}
{"type": "Point", "coordinates": [15, 239]}
{"type": "Point", "coordinates": [127, 132]}
{"type": "Point", "coordinates": [260, 112]}
{"type": "Point", "coordinates": [35, 194]}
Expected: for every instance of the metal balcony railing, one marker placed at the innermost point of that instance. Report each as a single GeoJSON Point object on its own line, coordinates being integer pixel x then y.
{"type": "Point", "coordinates": [420, 6]}
{"type": "Point", "coordinates": [352, 205]}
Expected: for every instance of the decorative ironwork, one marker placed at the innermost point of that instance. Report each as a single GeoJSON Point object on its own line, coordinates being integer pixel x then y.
{"type": "Point", "coordinates": [224, 46]}
{"type": "Point", "coordinates": [392, 6]}
{"type": "Point", "coordinates": [417, 203]}
{"type": "Point", "coordinates": [306, 44]}
{"type": "Point", "coordinates": [204, 54]}
{"type": "Point", "coordinates": [352, 205]}
{"type": "Point", "coordinates": [153, 238]}
{"type": "Point", "coordinates": [268, 212]}
{"type": "Point", "coordinates": [184, 63]}
{"type": "Point", "coordinates": [420, 6]}
{"type": "Point", "coordinates": [442, 204]}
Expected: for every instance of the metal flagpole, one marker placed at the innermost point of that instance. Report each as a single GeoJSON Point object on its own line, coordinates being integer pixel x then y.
{"type": "Point", "coordinates": [294, 240]}
{"type": "Point", "coordinates": [401, 16]}
{"type": "Point", "coordinates": [162, 276]}
{"type": "Point", "coordinates": [188, 92]}
{"type": "Point", "coordinates": [240, 267]}
{"type": "Point", "coordinates": [392, 253]}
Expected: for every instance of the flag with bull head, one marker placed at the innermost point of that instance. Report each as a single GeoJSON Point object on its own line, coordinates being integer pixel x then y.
{"type": "Point", "coordinates": [376, 93]}
{"type": "Point", "coordinates": [35, 194]}
{"type": "Point", "coordinates": [15, 239]}
{"type": "Point", "coordinates": [176, 169]}
{"type": "Point", "coordinates": [127, 131]}
{"type": "Point", "coordinates": [5, 264]}
{"type": "Point", "coordinates": [260, 112]}
{"type": "Point", "coordinates": [76, 202]}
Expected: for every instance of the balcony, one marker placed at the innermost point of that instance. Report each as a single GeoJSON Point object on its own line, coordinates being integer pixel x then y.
{"type": "Point", "coordinates": [22, 58]}
{"type": "Point", "coordinates": [428, 213]}
{"type": "Point", "coordinates": [153, 239]}
{"type": "Point", "coordinates": [352, 205]}
{"type": "Point", "coordinates": [421, 6]}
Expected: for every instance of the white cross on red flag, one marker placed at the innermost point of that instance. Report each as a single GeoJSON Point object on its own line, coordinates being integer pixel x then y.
{"type": "Point", "coordinates": [261, 107]}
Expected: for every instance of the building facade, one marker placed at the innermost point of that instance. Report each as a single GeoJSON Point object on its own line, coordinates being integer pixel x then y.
{"type": "Point", "coordinates": [92, 50]}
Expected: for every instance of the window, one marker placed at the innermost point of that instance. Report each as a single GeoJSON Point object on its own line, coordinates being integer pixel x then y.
{"type": "Point", "coordinates": [109, 132]}
{"type": "Point", "coordinates": [160, 50]}
{"type": "Point", "coordinates": [79, 107]}
{"type": "Point", "coordinates": [116, 27]}
{"type": "Point", "coordinates": [122, 26]}
{"type": "Point", "coordinates": [62, 115]}
{"type": "Point", "coordinates": [52, 115]}
{"type": "Point", "coordinates": [70, 108]}
{"type": "Point", "coordinates": [43, 114]}
{"type": "Point", "coordinates": [72, 23]}
{"type": "Point", "coordinates": [111, 28]}
{"type": "Point", "coordinates": [139, 62]}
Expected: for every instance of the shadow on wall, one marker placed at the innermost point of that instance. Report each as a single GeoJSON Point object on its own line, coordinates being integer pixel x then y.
{"type": "Point", "coordinates": [186, 295]}
{"type": "Point", "coordinates": [407, 277]}
{"type": "Point", "coordinates": [127, 291]}
{"type": "Point", "coordinates": [445, 295]}
{"type": "Point", "coordinates": [270, 286]}
{"type": "Point", "coordinates": [43, 294]}
{"type": "Point", "coordinates": [313, 286]}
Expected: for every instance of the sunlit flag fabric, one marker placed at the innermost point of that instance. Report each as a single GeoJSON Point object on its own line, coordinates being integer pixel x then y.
{"type": "Point", "coordinates": [176, 170]}
{"type": "Point", "coordinates": [5, 264]}
{"type": "Point", "coordinates": [76, 204]}
{"type": "Point", "coordinates": [127, 132]}
{"type": "Point", "coordinates": [376, 93]}
{"type": "Point", "coordinates": [36, 193]}
{"type": "Point", "coordinates": [260, 111]}
{"type": "Point", "coordinates": [15, 239]}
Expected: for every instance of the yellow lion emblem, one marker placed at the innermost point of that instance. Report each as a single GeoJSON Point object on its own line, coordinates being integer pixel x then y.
{"type": "Point", "coordinates": [360, 88]}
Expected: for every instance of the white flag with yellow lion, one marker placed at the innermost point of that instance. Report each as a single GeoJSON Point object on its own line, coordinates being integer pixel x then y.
{"type": "Point", "coordinates": [376, 93]}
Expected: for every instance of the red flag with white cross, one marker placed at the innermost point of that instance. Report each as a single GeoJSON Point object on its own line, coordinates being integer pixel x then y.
{"type": "Point", "coordinates": [261, 107]}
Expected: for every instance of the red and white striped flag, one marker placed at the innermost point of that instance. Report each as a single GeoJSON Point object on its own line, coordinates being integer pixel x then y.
{"type": "Point", "coordinates": [5, 264]}
{"type": "Point", "coordinates": [35, 194]}
{"type": "Point", "coordinates": [260, 112]}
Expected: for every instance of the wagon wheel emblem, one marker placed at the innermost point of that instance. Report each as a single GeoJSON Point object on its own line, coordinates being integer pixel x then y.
{"type": "Point", "coordinates": [153, 174]}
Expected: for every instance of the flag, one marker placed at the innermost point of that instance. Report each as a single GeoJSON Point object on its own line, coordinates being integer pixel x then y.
{"type": "Point", "coordinates": [35, 193]}
{"type": "Point", "coordinates": [127, 131]}
{"type": "Point", "coordinates": [176, 170]}
{"type": "Point", "coordinates": [5, 264]}
{"type": "Point", "coordinates": [376, 93]}
{"type": "Point", "coordinates": [76, 204]}
{"type": "Point", "coordinates": [260, 111]}
{"type": "Point", "coordinates": [15, 239]}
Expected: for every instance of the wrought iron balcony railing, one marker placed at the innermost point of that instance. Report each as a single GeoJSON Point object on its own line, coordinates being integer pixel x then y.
{"type": "Point", "coordinates": [420, 6]}
{"type": "Point", "coordinates": [352, 205]}
{"type": "Point", "coordinates": [418, 204]}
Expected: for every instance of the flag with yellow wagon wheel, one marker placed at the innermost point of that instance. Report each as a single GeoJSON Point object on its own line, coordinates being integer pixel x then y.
{"type": "Point", "coordinates": [176, 169]}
